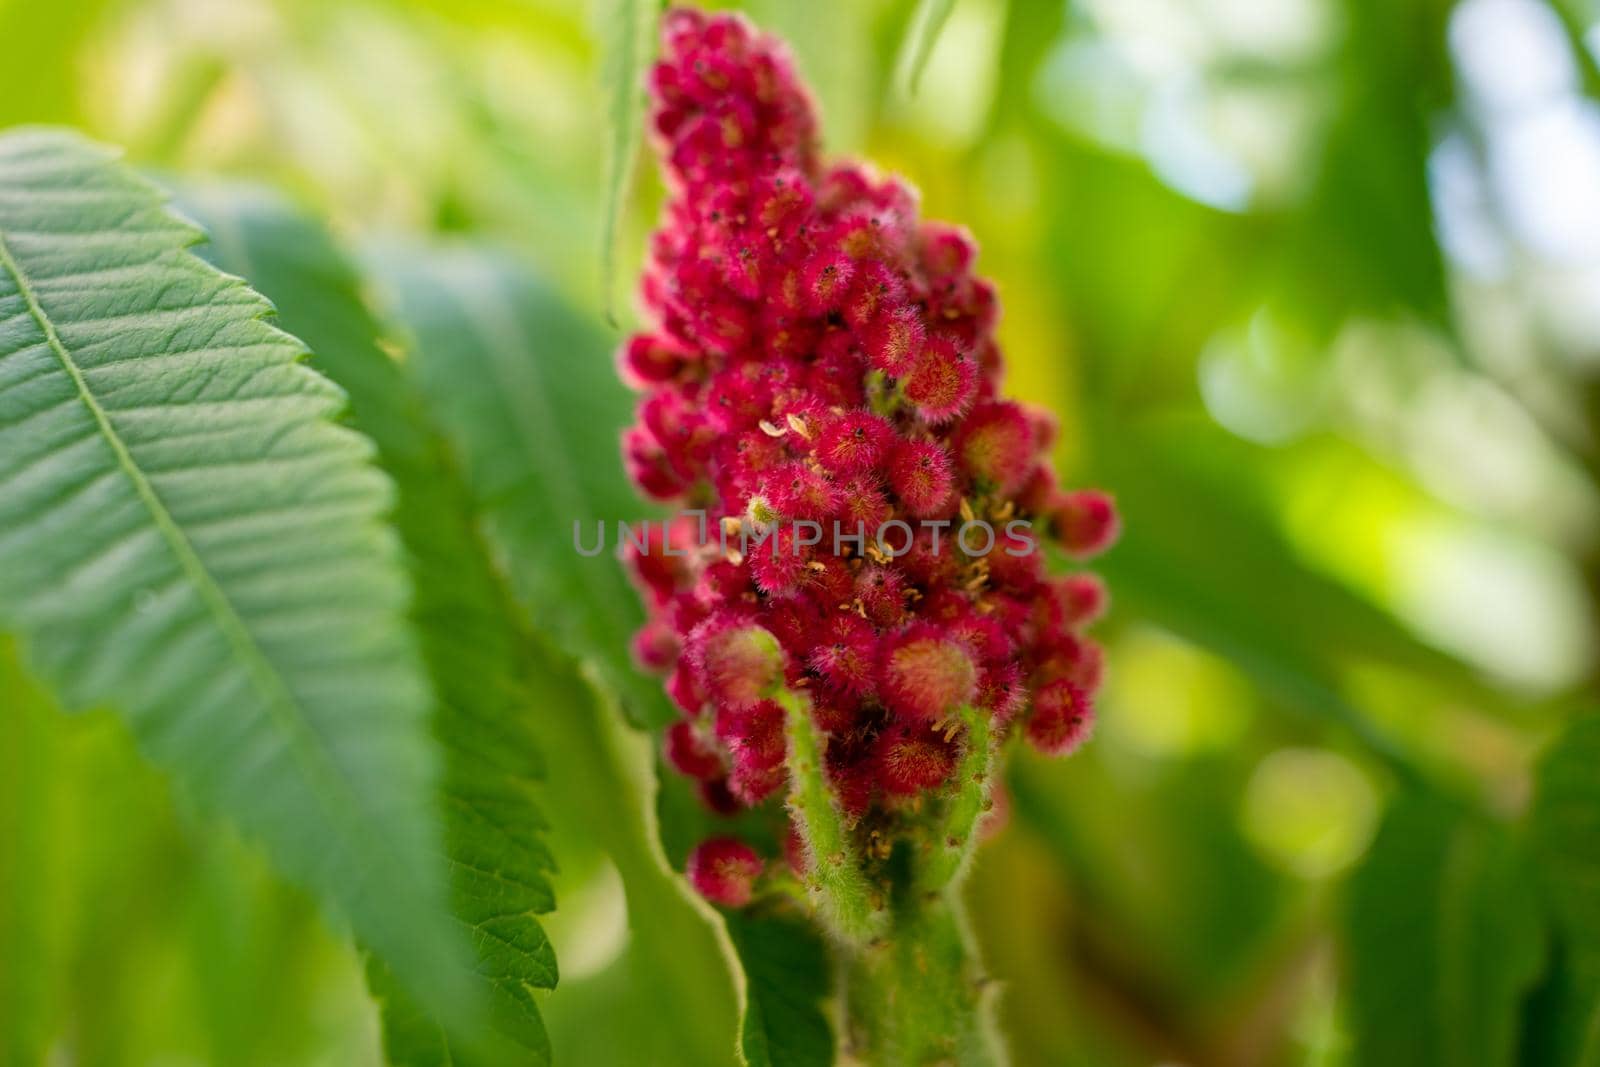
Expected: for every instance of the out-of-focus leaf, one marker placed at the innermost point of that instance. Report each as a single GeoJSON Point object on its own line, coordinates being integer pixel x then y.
{"type": "Point", "coordinates": [528, 392]}
{"type": "Point", "coordinates": [27, 875]}
{"type": "Point", "coordinates": [1198, 946]}
{"type": "Point", "coordinates": [1365, 242]}
{"type": "Point", "coordinates": [497, 860]}
{"type": "Point", "coordinates": [921, 35]}
{"type": "Point", "coordinates": [190, 538]}
{"type": "Point", "coordinates": [1202, 558]}
{"type": "Point", "coordinates": [39, 81]}
{"type": "Point", "coordinates": [212, 960]}
{"type": "Point", "coordinates": [786, 981]}
{"type": "Point", "coordinates": [1442, 938]}
{"type": "Point", "coordinates": [603, 779]}
{"type": "Point", "coordinates": [630, 34]}
{"type": "Point", "coordinates": [1565, 831]}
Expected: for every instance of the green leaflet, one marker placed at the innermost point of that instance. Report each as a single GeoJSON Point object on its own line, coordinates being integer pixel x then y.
{"type": "Point", "coordinates": [1565, 830]}
{"type": "Point", "coordinates": [29, 879]}
{"type": "Point", "coordinates": [528, 392]}
{"type": "Point", "coordinates": [186, 535]}
{"type": "Point", "coordinates": [787, 979]}
{"type": "Point", "coordinates": [630, 34]}
{"type": "Point", "coordinates": [926, 24]}
{"type": "Point", "coordinates": [1442, 939]}
{"type": "Point", "coordinates": [484, 722]}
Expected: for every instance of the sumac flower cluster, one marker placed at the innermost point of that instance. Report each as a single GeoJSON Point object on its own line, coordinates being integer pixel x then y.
{"type": "Point", "coordinates": [820, 353]}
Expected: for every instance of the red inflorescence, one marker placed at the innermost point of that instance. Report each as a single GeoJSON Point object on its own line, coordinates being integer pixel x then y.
{"type": "Point", "coordinates": [821, 356]}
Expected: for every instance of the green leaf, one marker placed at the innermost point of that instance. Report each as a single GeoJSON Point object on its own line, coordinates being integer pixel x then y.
{"type": "Point", "coordinates": [1565, 831]}
{"type": "Point", "coordinates": [1205, 557]}
{"type": "Point", "coordinates": [629, 47]}
{"type": "Point", "coordinates": [926, 24]}
{"type": "Point", "coordinates": [41, 80]}
{"type": "Point", "coordinates": [528, 391]}
{"type": "Point", "coordinates": [493, 828]}
{"type": "Point", "coordinates": [28, 877]}
{"type": "Point", "coordinates": [786, 984]}
{"type": "Point", "coordinates": [1443, 939]}
{"type": "Point", "coordinates": [188, 537]}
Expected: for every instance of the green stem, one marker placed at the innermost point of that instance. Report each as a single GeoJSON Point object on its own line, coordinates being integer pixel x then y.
{"type": "Point", "coordinates": [957, 838]}
{"type": "Point", "coordinates": [834, 878]}
{"type": "Point", "coordinates": [919, 997]}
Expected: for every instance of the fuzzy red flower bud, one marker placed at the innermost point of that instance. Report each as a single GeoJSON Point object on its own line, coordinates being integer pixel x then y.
{"type": "Point", "coordinates": [1082, 597]}
{"type": "Point", "coordinates": [881, 592]}
{"type": "Point", "coordinates": [920, 474]}
{"type": "Point", "coordinates": [854, 441]}
{"type": "Point", "coordinates": [893, 340]}
{"type": "Point", "coordinates": [1085, 522]}
{"type": "Point", "coordinates": [995, 446]}
{"type": "Point", "coordinates": [646, 359]}
{"type": "Point", "coordinates": [798, 492]}
{"type": "Point", "coordinates": [910, 758]}
{"type": "Point", "coordinates": [724, 871]}
{"type": "Point", "coordinates": [737, 664]}
{"type": "Point", "coordinates": [655, 646]}
{"type": "Point", "coordinates": [846, 654]}
{"type": "Point", "coordinates": [943, 382]}
{"type": "Point", "coordinates": [1062, 718]}
{"type": "Point", "coordinates": [690, 754]}
{"type": "Point", "coordinates": [926, 677]}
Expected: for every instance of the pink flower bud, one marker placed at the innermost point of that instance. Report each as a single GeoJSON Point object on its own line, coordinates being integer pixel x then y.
{"type": "Point", "coordinates": [690, 754]}
{"type": "Point", "coordinates": [881, 590]}
{"type": "Point", "coordinates": [876, 286]}
{"type": "Point", "coordinates": [926, 677]}
{"type": "Point", "coordinates": [946, 250]}
{"type": "Point", "coordinates": [779, 562]}
{"type": "Point", "coordinates": [1001, 690]}
{"type": "Point", "coordinates": [648, 465]}
{"type": "Point", "coordinates": [920, 474]}
{"type": "Point", "coordinates": [648, 358]}
{"type": "Point", "coordinates": [737, 664]}
{"type": "Point", "coordinates": [656, 646]}
{"type": "Point", "coordinates": [894, 339]}
{"type": "Point", "coordinates": [798, 492]}
{"type": "Point", "coordinates": [862, 508]}
{"type": "Point", "coordinates": [1082, 598]}
{"type": "Point", "coordinates": [912, 758]}
{"type": "Point", "coordinates": [995, 445]}
{"type": "Point", "coordinates": [724, 871]}
{"type": "Point", "coordinates": [845, 654]}
{"type": "Point", "coordinates": [1062, 719]}
{"type": "Point", "coordinates": [826, 281]}
{"type": "Point", "coordinates": [1085, 522]}
{"type": "Point", "coordinates": [854, 441]}
{"type": "Point", "coordinates": [943, 382]}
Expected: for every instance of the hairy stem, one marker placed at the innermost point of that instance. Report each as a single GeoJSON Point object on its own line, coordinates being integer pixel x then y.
{"type": "Point", "coordinates": [957, 836]}
{"type": "Point", "coordinates": [834, 878]}
{"type": "Point", "coordinates": [919, 996]}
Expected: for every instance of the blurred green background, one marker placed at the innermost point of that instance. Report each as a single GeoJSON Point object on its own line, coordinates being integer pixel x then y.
{"type": "Point", "coordinates": [1315, 288]}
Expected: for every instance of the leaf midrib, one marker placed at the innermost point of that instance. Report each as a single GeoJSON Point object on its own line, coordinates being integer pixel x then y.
{"type": "Point", "coordinates": [308, 748]}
